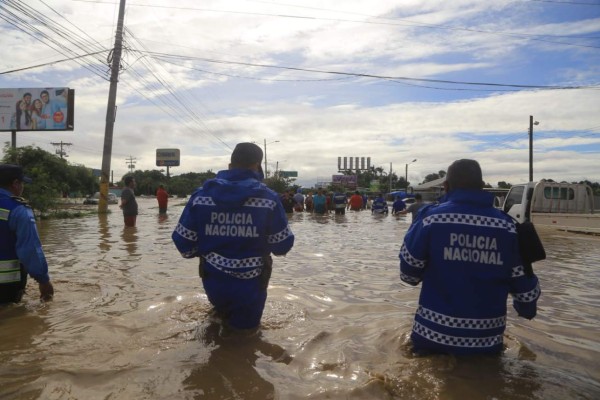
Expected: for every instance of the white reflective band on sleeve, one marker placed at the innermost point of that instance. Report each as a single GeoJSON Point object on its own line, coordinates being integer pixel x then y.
{"type": "Point", "coordinates": [4, 213]}
{"type": "Point", "coordinates": [9, 265]}
{"type": "Point", "coordinates": [7, 277]}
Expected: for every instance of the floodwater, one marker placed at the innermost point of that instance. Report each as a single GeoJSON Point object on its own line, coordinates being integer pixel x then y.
{"type": "Point", "coordinates": [130, 321]}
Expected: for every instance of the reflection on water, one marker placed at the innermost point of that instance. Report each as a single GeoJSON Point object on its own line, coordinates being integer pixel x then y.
{"type": "Point", "coordinates": [130, 321]}
{"type": "Point", "coordinates": [230, 371]}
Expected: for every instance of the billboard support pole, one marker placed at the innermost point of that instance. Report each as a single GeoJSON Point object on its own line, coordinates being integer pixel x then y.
{"type": "Point", "coordinates": [111, 111]}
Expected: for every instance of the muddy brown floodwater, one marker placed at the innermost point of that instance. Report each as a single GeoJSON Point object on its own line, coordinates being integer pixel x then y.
{"type": "Point", "coordinates": [130, 321]}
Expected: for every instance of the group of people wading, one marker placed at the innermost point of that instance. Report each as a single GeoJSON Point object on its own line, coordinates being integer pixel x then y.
{"type": "Point", "coordinates": [465, 252]}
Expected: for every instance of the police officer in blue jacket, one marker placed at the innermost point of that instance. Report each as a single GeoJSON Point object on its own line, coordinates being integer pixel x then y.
{"type": "Point", "coordinates": [379, 206]}
{"type": "Point", "coordinates": [233, 223]}
{"type": "Point", "coordinates": [466, 253]}
{"type": "Point", "coordinates": [20, 247]}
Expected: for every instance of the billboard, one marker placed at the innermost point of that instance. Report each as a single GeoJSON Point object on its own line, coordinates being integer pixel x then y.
{"type": "Point", "coordinates": [37, 109]}
{"type": "Point", "coordinates": [167, 157]}
{"type": "Point", "coordinates": [348, 181]}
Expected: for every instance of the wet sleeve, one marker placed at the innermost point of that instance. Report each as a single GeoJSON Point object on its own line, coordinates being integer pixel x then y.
{"type": "Point", "coordinates": [413, 254]}
{"type": "Point", "coordinates": [280, 237]}
{"type": "Point", "coordinates": [29, 247]}
{"type": "Point", "coordinates": [185, 235]}
{"type": "Point", "coordinates": [525, 291]}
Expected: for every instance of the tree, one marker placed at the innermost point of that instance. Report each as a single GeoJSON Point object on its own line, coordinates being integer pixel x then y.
{"type": "Point", "coordinates": [504, 185]}
{"type": "Point", "coordinates": [433, 177]}
{"type": "Point", "coordinates": [52, 177]}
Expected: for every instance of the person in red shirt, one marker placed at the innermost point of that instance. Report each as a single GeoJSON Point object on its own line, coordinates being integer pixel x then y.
{"type": "Point", "coordinates": [163, 198]}
{"type": "Point", "coordinates": [356, 202]}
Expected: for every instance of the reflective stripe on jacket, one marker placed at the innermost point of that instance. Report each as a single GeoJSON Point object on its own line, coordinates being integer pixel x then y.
{"type": "Point", "coordinates": [10, 271]}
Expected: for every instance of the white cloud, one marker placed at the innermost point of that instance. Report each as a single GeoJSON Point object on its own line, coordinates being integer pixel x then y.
{"type": "Point", "coordinates": [205, 114]}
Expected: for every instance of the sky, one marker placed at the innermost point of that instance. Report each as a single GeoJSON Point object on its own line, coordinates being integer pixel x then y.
{"type": "Point", "coordinates": [311, 81]}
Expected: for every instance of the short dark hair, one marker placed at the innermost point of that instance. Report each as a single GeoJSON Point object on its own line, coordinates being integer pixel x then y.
{"type": "Point", "coordinates": [246, 154]}
{"type": "Point", "coordinates": [464, 174]}
{"type": "Point", "coordinates": [128, 180]}
{"type": "Point", "coordinates": [418, 196]}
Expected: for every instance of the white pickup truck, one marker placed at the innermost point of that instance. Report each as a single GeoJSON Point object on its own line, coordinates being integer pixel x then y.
{"type": "Point", "coordinates": [564, 206]}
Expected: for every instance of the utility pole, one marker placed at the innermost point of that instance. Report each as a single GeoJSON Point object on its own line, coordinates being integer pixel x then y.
{"type": "Point", "coordinates": [111, 111]}
{"type": "Point", "coordinates": [130, 163]}
{"type": "Point", "coordinates": [61, 152]}
{"type": "Point", "coordinates": [531, 124]}
{"type": "Point", "coordinates": [266, 168]}
{"type": "Point", "coordinates": [390, 191]}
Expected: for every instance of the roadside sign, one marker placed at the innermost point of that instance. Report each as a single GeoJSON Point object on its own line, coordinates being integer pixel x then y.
{"type": "Point", "coordinates": [167, 157]}
{"type": "Point", "coordinates": [288, 174]}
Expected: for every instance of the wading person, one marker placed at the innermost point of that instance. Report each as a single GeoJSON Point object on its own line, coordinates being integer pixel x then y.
{"type": "Point", "coordinates": [21, 251]}
{"type": "Point", "coordinates": [163, 199]}
{"type": "Point", "coordinates": [466, 253]}
{"type": "Point", "coordinates": [233, 223]}
{"type": "Point", "coordinates": [414, 208]}
{"type": "Point", "coordinates": [128, 203]}
{"type": "Point", "coordinates": [356, 202]}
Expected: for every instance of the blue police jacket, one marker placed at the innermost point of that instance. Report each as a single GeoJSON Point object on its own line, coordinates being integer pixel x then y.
{"type": "Point", "coordinates": [233, 221]}
{"type": "Point", "coordinates": [398, 206]}
{"type": "Point", "coordinates": [379, 206]}
{"type": "Point", "coordinates": [466, 254]}
{"type": "Point", "coordinates": [19, 241]}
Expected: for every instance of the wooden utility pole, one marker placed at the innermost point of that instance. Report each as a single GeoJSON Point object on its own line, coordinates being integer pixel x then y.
{"type": "Point", "coordinates": [111, 111]}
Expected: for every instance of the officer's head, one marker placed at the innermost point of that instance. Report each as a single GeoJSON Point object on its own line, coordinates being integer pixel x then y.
{"type": "Point", "coordinates": [464, 174]}
{"type": "Point", "coordinates": [12, 178]}
{"type": "Point", "coordinates": [247, 156]}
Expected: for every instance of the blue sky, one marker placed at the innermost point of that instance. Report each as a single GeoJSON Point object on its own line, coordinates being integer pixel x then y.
{"type": "Point", "coordinates": [393, 109]}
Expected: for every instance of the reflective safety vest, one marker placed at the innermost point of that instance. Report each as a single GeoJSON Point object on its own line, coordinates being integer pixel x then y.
{"type": "Point", "coordinates": [10, 268]}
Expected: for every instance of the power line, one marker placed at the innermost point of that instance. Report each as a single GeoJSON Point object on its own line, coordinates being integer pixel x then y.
{"type": "Point", "coordinates": [405, 22]}
{"type": "Point", "coordinates": [52, 62]}
{"type": "Point", "coordinates": [37, 25]}
{"type": "Point", "coordinates": [374, 76]}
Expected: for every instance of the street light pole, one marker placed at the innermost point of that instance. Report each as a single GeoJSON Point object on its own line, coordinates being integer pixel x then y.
{"type": "Point", "coordinates": [266, 167]}
{"type": "Point", "coordinates": [406, 172]}
{"type": "Point", "coordinates": [531, 124]}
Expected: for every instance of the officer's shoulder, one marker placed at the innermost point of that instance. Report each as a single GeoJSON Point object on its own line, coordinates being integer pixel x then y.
{"type": "Point", "coordinates": [20, 200]}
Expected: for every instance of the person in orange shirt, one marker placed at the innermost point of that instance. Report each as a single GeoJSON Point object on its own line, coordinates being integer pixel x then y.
{"type": "Point", "coordinates": [356, 202]}
{"type": "Point", "coordinates": [163, 198]}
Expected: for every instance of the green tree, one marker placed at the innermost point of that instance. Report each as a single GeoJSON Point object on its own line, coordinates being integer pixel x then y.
{"type": "Point", "coordinates": [434, 176]}
{"type": "Point", "coordinates": [52, 176]}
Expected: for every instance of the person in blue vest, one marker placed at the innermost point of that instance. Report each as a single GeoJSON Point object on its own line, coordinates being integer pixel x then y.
{"type": "Point", "coordinates": [21, 251]}
{"type": "Point", "coordinates": [233, 223]}
{"type": "Point", "coordinates": [379, 206]}
{"type": "Point", "coordinates": [398, 205]}
{"type": "Point", "coordinates": [339, 201]}
{"type": "Point", "coordinates": [466, 254]}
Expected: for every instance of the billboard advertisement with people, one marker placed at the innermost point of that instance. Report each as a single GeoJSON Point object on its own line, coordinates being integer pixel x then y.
{"type": "Point", "coordinates": [37, 109]}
